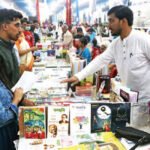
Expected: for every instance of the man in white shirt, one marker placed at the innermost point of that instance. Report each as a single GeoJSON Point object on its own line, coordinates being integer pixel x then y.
{"type": "Point", "coordinates": [130, 51]}
{"type": "Point", "coordinates": [37, 29]}
{"type": "Point", "coordinates": [67, 37]}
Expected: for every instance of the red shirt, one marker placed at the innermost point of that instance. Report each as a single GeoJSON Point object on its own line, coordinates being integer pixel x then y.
{"type": "Point", "coordinates": [29, 38]}
{"type": "Point", "coordinates": [95, 52]}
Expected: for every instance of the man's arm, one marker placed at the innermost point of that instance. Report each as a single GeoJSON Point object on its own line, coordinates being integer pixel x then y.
{"type": "Point", "coordinates": [99, 62]}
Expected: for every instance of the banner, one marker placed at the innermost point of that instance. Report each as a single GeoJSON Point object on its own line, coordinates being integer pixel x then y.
{"type": "Point", "coordinates": [77, 12]}
{"type": "Point", "coordinates": [37, 11]}
{"type": "Point", "coordinates": [68, 12]}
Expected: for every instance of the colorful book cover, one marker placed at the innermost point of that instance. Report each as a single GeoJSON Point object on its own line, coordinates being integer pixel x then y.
{"type": "Point", "coordinates": [101, 115]}
{"type": "Point", "coordinates": [58, 121]}
{"type": "Point", "coordinates": [109, 116]}
{"type": "Point", "coordinates": [80, 118]}
{"type": "Point", "coordinates": [34, 122]}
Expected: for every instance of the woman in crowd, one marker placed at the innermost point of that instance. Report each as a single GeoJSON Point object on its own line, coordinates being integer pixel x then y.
{"type": "Point", "coordinates": [25, 53]}
{"type": "Point", "coordinates": [84, 51]}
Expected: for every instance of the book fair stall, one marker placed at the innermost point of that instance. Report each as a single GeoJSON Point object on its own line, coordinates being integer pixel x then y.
{"type": "Point", "coordinates": [98, 113]}
{"type": "Point", "coordinates": [75, 75]}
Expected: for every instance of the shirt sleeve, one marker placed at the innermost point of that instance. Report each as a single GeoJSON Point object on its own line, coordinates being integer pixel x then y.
{"type": "Point", "coordinates": [99, 62]}
{"type": "Point", "coordinates": [146, 45]}
{"type": "Point", "coordinates": [7, 113]}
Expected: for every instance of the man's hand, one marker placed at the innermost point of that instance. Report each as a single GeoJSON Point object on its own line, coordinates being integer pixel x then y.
{"type": "Point", "coordinates": [34, 48]}
{"type": "Point", "coordinates": [73, 79]}
{"type": "Point", "coordinates": [18, 94]}
{"type": "Point", "coordinates": [26, 102]}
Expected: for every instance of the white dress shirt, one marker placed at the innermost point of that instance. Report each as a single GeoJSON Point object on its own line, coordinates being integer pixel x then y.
{"type": "Point", "coordinates": [68, 39]}
{"type": "Point", "coordinates": [132, 58]}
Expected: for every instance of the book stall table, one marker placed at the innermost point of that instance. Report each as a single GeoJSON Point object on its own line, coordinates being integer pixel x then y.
{"type": "Point", "coordinates": [79, 121]}
{"type": "Point", "coordinates": [73, 123]}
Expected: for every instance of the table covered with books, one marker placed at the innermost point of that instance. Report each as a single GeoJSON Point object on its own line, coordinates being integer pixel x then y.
{"type": "Point", "coordinates": [69, 120]}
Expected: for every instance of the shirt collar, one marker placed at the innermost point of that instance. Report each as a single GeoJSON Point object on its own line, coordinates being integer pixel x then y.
{"type": "Point", "coordinates": [126, 39]}
{"type": "Point", "coordinates": [7, 44]}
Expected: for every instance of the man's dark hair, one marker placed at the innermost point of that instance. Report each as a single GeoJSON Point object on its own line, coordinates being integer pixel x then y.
{"type": "Point", "coordinates": [35, 21]}
{"type": "Point", "coordinates": [8, 15]}
{"type": "Point", "coordinates": [78, 36]}
{"type": "Point", "coordinates": [60, 23]}
{"type": "Point", "coordinates": [87, 38]}
{"type": "Point", "coordinates": [90, 30]}
{"type": "Point", "coordinates": [94, 42]}
{"type": "Point", "coordinates": [121, 12]}
{"type": "Point", "coordinates": [24, 20]}
{"type": "Point", "coordinates": [79, 29]}
{"type": "Point", "coordinates": [84, 40]}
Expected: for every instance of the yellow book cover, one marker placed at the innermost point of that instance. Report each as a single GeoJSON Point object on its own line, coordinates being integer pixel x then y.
{"type": "Point", "coordinates": [110, 142]}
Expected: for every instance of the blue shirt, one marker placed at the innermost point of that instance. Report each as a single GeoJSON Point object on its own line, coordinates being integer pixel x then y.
{"type": "Point", "coordinates": [92, 36]}
{"type": "Point", "coordinates": [8, 111]}
{"type": "Point", "coordinates": [86, 54]}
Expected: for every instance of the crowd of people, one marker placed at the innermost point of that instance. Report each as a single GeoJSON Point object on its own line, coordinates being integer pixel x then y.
{"type": "Point", "coordinates": [129, 51]}
{"type": "Point", "coordinates": [18, 38]}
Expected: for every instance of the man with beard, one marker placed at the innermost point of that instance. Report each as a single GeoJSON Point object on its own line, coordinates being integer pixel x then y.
{"type": "Point", "coordinates": [130, 51]}
{"type": "Point", "coordinates": [9, 74]}
{"type": "Point", "coordinates": [10, 29]}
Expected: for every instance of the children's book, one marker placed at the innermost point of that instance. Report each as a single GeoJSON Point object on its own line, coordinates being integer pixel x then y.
{"type": "Point", "coordinates": [34, 122]}
{"type": "Point", "coordinates": [80, 118]}
{"type": "Point", "coordinates": [58, 121]}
